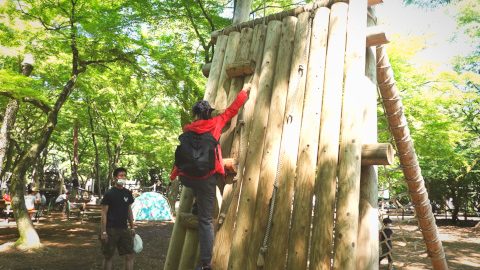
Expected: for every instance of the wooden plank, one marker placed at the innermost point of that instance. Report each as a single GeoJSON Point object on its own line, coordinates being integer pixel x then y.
{"type": "Point", "coordinates": [308, 146]}
{"type": "Point", "coordinates": [272, 139]}
{"type": "Point", "coordinates": [276, 253]}
{"type": "Point", "coordinates": [216, 69]}
{"type": "Point", "coordinates": [325, 182]}
{"type": "Point", "coordinates": [246, 207]}
{"type": "Point", "coordinates": [224, 236]}
{"type": "Point", "coordinates": [348, 194]}
{"type": "Point", "coordinates": [367, 254]}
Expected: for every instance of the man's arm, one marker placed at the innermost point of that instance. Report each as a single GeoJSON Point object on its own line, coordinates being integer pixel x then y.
{"type": "Point", "coordinates": [104, 221]}
{"type": "Point", "coordinates": [130, 219]}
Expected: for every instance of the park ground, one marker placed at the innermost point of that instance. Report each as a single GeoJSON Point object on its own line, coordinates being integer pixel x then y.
{"type": "Point", "coordinates": [68, 244]}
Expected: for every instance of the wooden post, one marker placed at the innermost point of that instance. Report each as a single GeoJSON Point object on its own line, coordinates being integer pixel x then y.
{"type": "Point", "coordinates": [215, 69]}
{"type": "Point", "coordinates": [376, 153]}
{"type": "Point", "coordinates": [246, 207]}
{"type": "Point", "coordinates": [175, 245]}
{"type": "Point", "coordinates": [223, 81]}
{"type": "Point", "coordinates": [235, 87]}
{"type": "Point", "coordinates": [325, 182]}
{"type": "Point", "coordinates": [272, 140]}
{"type": "Point", "coordinates": [189, 251]}
{"type": "Point", "coordinates": [346, 225]}
{"type": "Point", "coordinates": [276, 254]}
{"type": "Point", "coordinates": [224, 236]}
{"type": "Point", "coordinates": [367, 249]}
{"type": "Point", "coordinates": [408, 159]}
{"type": "Point", "coordinates": [308, 147]}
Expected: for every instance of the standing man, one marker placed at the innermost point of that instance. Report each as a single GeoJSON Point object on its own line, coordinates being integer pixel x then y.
{"type": "Point", "coordinates": [116, 211]}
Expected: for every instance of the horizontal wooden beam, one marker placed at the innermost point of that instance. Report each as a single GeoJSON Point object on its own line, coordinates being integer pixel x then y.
{"type": "Point", "coordinates": [240, 68]}
{"type": "Point", "coordinates": [374, 2]}
{"type": "Point", "coordinates": [188, 220]}
{"type": "Point", "coordinates": [377, 154]}
{"type": "Point", "coordinates": [230, 165]}
{"type": "Point", "coordinates": [372, 154]}
{"type": "Point", "coordinates": [376, 36]}
{"type": "Point", "coordinates": [206, 69]}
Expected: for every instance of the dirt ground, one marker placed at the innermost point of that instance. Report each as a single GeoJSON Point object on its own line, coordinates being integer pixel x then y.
{"type": "Point", "coordinates": [71, 245]}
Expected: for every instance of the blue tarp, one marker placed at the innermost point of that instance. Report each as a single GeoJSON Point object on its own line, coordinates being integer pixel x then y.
{"type": "Point", "coordinates": [151, 206]}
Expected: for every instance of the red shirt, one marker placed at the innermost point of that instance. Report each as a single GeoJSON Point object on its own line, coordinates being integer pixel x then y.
{"type": "Point", "coordinates": [214, 126]}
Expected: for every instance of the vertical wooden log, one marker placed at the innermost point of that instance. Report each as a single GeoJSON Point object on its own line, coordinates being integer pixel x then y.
{"type": "Point", "coordinates": [235, 87]}
{"type": "Point", "coordinates": [177, 239]}
{"type": "Point", "coordinates": [272, 140]}
{"type": "Point", "coordinates": [223, 81]}
{"type": "Point", "coordinates": [215, 69]}
{"type": "Point", "coordinates": [325, 182]}
{"type": "Point", "coordinates": [308, 147]}
{"type": "Point", "coordinates": [224, 236]}
{"type": "Point", "coordinates": [346, 225]}
{"type": "Point", "coordinates": [367, 249]}
{"type": "Point", "coordinates": [190, 250]}
{"type": "Point", "coordinates": [276, 254]}
{"type": "Point", "coordinates": [246, 207]}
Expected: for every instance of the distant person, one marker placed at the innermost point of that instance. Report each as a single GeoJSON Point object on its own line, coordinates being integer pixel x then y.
{"type": "Point", "coordinates": [386, 242]}
{"type": "Point", "coordinates": [198, 162]}
{"type": "Point", "coordinates": [62, 198]}
{"type": "Point", "coordinates": [116, 213]}
{"type": "Point", "coordinates": [40, 199]}
{"type": "Point", "coordinates": [30, 200]}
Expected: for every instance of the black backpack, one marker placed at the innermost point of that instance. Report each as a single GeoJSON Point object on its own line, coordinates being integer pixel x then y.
{"type": "Point", "coordinates": [196, 154]}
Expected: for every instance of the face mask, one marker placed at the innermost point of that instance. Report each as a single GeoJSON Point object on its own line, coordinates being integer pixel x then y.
{"type": "Point", "coordinates": [121, 182]}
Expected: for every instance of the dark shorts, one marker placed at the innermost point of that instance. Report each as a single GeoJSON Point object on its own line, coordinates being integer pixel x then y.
{"type": "Point", "coordinates": [121, 239]}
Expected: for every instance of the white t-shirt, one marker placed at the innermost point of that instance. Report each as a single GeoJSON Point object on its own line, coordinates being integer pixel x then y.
{"type": "Point", "coordinates": [30, 201]}
{"type": "Point", "coordinates": [61, 198]}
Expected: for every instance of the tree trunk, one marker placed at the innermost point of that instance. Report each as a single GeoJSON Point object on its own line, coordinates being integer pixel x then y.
{"type": "Point", "coordinates": [8, 161]}
{"type": "Point", "coordinates": [28, 236]}
{"type": "Point", "coordinates": [7, 124]}
{"type": "Point", "coordinates": [242, 11]}
{"type": "Point", "coordinates": [75, 159]}
{"type": "Point", "coordinates": [96, 167]}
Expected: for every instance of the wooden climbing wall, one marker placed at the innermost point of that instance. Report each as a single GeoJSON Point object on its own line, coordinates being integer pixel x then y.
{"type": "Point", "coordinates": [297, 143]}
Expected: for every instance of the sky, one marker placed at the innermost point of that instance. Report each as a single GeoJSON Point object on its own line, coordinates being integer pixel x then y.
{"type": "Point", "coordinates": [443, 40]}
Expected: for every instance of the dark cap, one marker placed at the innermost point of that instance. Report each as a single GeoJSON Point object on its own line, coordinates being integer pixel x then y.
{"type": "Point", "coordinates": [202, 109]}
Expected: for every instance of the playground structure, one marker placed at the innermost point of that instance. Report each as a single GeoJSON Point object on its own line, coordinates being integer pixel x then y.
{"type": "Point", "coordinates": [305, 145]}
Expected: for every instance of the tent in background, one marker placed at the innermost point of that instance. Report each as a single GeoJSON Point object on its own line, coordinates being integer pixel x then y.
{"type": "Point", "coordinates": [151, 206]}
